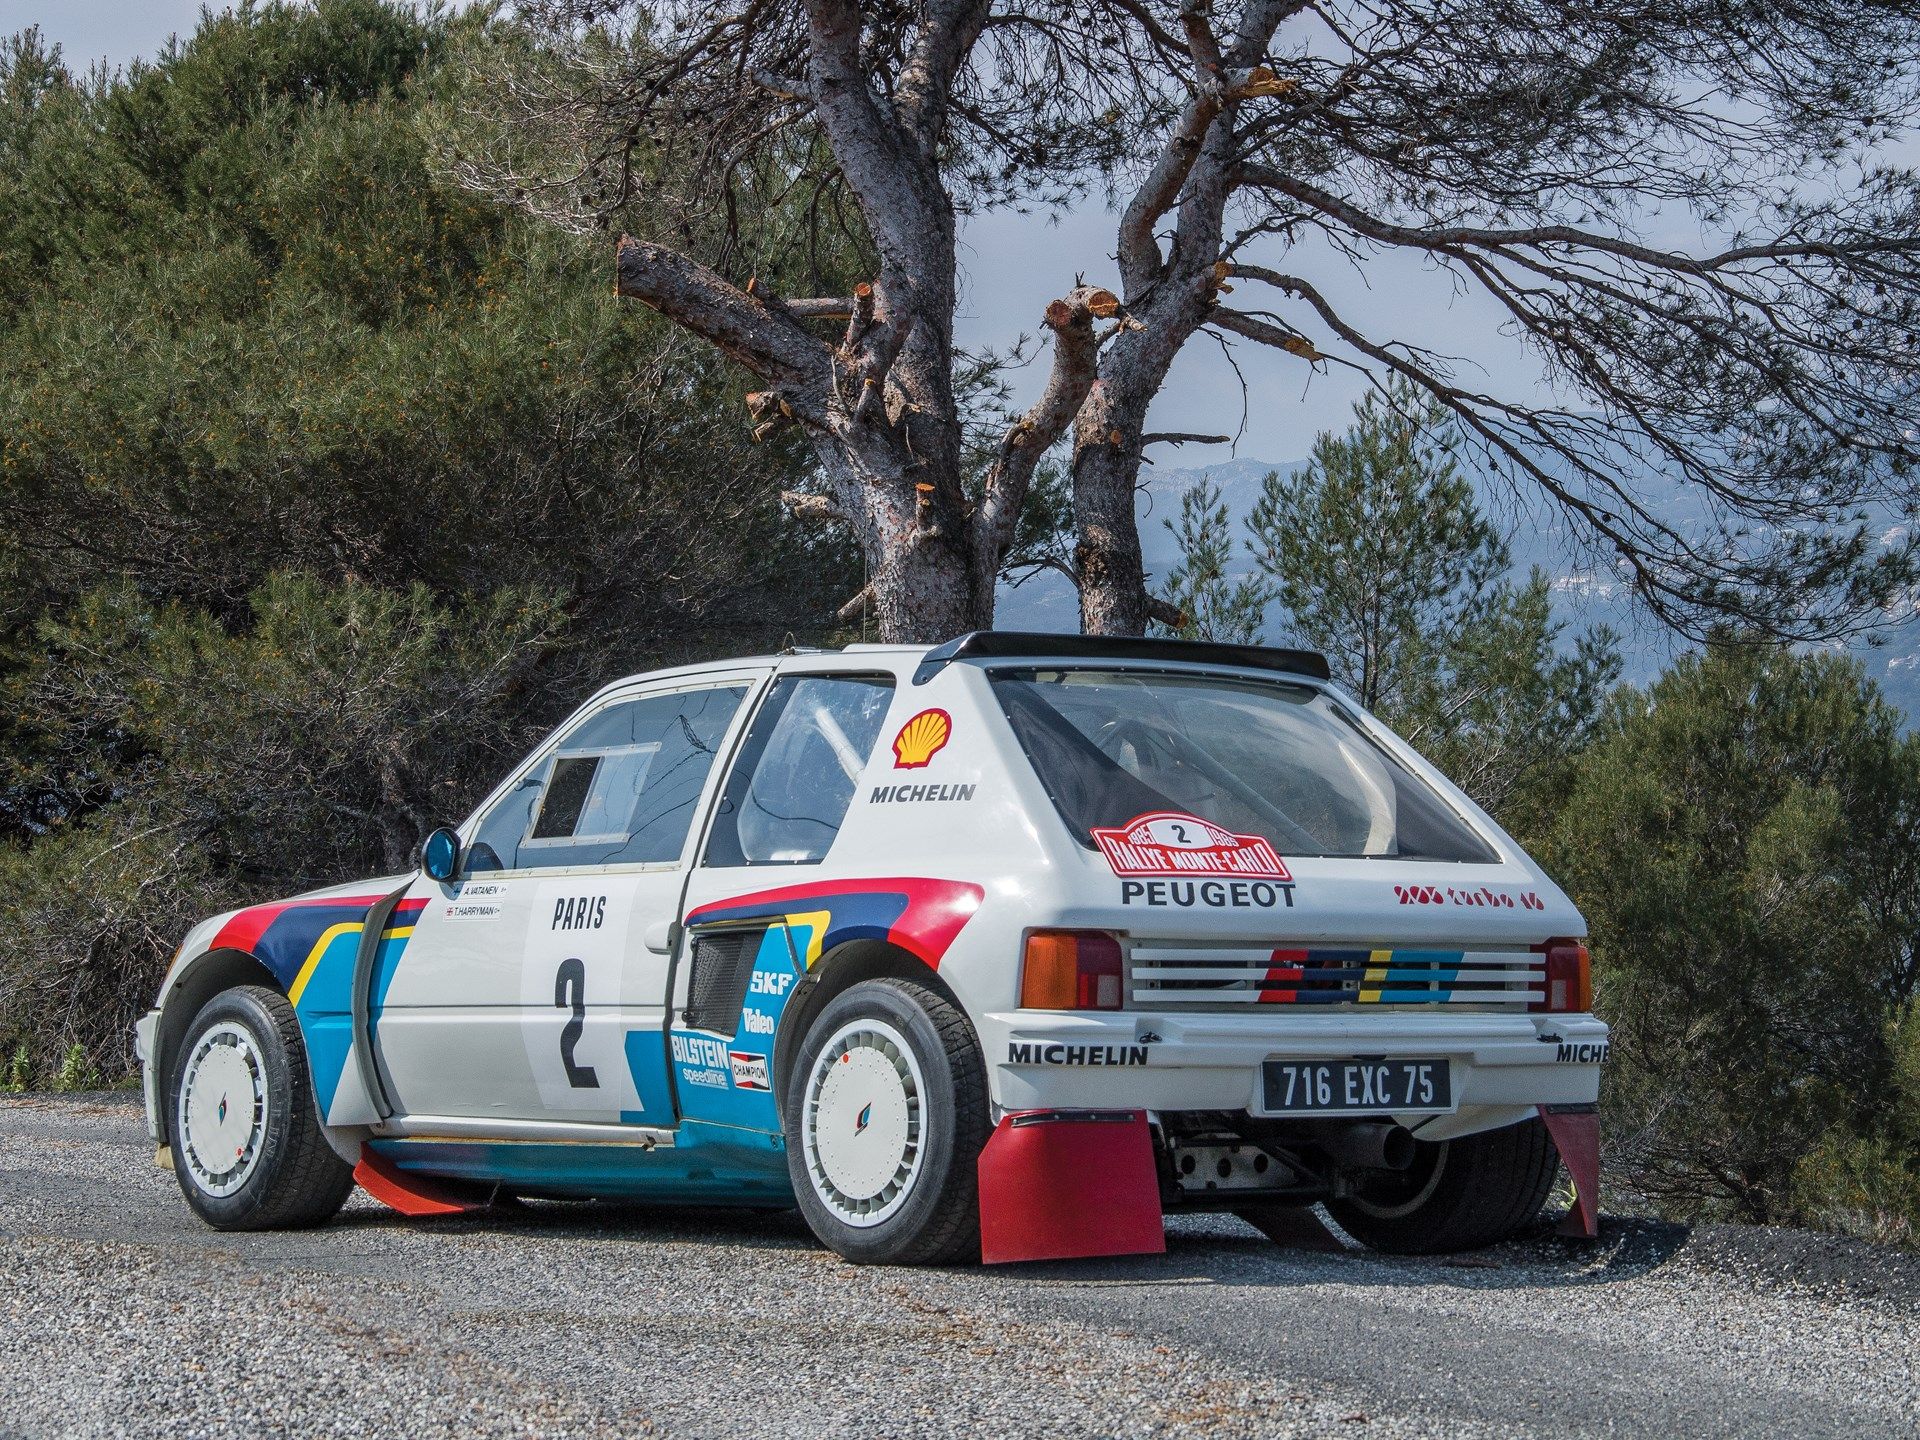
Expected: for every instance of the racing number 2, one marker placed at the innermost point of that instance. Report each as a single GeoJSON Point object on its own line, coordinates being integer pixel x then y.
{"type": "Point", "coordinates": [570, 992]}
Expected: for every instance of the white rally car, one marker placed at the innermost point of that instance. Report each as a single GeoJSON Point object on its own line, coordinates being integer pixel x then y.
{"type": "Point", "coordinates": [1002, 948]}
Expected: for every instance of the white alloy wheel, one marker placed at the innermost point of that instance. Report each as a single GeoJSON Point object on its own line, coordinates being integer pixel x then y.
{"type": "Point", "coordinates": [223, 1108]}
{"type": "Point", "coordinates": [864, 1122]}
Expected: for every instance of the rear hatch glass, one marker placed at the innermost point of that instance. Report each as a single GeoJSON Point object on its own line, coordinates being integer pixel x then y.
{"type": "Point", "coordinates": [1254, 757]}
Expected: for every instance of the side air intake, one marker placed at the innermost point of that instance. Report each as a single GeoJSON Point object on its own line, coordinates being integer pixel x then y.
{"type": "Point", "coordinates": [718, 983]}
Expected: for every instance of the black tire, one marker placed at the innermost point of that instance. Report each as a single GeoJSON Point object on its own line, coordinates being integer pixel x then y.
{"type": "Point", "coordinates": [1457, 1195]}
{"type": "Point", "coordinates": [288, 1176]}
{"type": "Point", "coordinates": [929, 1212]}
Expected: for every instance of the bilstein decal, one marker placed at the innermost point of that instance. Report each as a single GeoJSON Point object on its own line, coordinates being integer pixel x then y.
{"type": "Point", "coordinates": [921, 738]}
{"type": "Point", "coordinates": [1168, 843]}
{"type": "Point", "coordinates": [1214, 894]}
{"type": "Point", "coordinates": [1024, 1053]}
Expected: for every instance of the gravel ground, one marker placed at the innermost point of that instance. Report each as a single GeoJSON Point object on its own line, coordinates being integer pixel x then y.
{"type": "Point", "coordinates": [121, 1315]}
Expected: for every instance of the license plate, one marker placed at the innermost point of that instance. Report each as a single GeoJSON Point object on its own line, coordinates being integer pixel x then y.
{"type": "Point", "coordinates": [1319, 1087]}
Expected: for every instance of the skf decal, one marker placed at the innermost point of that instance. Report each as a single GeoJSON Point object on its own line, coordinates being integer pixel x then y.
{"type": "Point", "coordinates": [749, 1071]}
{"type": "Point", "coordinates": [1217, 894]}
{"type": "Point", "coordinates": [921, 738]}
{"type": "Point", "coordinates": [919, 794]}
{"type": "Point", "coordinates": [769, 982]}
{"type": "Point", "coordinates": [1019, 1053]}
{"type": "Point", "coordinates": [1583, 1052]}
{"type": "Point", "coordinates": [1168, 843]}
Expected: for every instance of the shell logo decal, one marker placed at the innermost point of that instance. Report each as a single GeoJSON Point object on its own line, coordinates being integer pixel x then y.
{"type": "Point", "coordinates": [921, 738]}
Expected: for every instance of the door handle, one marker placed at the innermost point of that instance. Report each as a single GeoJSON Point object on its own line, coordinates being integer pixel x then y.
{"type": "Point", "coordinates": [659, 937]}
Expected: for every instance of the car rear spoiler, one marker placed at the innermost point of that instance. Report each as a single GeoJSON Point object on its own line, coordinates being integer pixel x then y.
{"type": "Point", "coordinates": [1022, 644]}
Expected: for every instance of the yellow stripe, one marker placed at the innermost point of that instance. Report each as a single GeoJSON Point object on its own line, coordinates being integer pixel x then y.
{"type": "Point", "coordinates": [327, 937]}
{"type": "Point", "coordinates": [1377, 963]}
{"type": "Point", "coordinates": [816, 922]}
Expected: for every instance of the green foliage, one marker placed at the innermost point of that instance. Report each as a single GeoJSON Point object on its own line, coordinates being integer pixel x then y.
{"type": "Point", "coordinates": [1869, 1184]}
{"type": "Point", "coordinates": [1744, 841]}
{"type": "Point", "coordinates": [1381, 558]}
{"type": "Point", "coordinates": [1212, 605]}
{"type": "Point", "coordinates": [325, 485]}
{"type": "Point", "coordinates": [77, 1071]}
{"type": "Point", "coordinates": [318, 742]}
{"type": "Point", "coordinates": [1377, 549]}
{"type": "Point", "coordinates": [19, 1072]}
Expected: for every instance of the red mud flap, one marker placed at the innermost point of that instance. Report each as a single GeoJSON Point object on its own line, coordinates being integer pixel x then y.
{"type": "Point", "coordinates": [1576, 1135]}
{"type": "Point", "coordinates": [409, 1194]}
{"type": "Point", "coordinates": [1067, 1184]}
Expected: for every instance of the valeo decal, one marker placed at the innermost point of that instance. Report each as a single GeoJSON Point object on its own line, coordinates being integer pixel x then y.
{"type": "Point", "coordinates": [1166, 842]}
{"type": "Point", "coordinates": [921, 738]}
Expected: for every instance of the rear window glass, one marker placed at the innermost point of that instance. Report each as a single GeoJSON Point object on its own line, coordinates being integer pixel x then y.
{"type": "Point", "coordinates": [1254, 757]}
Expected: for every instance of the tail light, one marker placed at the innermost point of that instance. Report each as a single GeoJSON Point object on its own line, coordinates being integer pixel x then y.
{"type": "Point", "coordinates": [1568, 977]}
{"type": "Point", "coordinates": [1071, 970]}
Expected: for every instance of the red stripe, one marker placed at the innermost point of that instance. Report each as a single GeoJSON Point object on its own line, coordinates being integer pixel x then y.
{"type": "Point", "coordinates": [1286, 965]}
{"type": "Point", "coordinates": [244, 930]}
{"type": "Point", "coordinates": [935, 910]}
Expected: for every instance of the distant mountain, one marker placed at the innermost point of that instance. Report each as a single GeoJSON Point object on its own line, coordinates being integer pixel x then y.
{"type": "Point", "coordinates": [1586, 593]}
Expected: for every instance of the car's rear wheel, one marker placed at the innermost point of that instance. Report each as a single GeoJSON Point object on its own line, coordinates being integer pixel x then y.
{"type": "Point", "coordinates": [886, 1114]}
{"type": "Point", "coordinates": [244, 1133]}
{"type": "Point", "coordinates": [1456, 1195]}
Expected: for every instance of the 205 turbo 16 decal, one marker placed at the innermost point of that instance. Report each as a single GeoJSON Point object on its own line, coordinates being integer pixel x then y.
{"type": "Point", "coordinates": [1168, 843]}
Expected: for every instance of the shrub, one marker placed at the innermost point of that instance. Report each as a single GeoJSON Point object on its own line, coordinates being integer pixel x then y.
{"type": "Point", "coordinates": [1743, 844]}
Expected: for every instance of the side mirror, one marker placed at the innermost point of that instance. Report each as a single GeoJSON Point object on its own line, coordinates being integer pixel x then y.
{"type": "Point", "coordinates": [440, 854]}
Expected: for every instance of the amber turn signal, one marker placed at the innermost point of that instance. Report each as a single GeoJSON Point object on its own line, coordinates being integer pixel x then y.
{"type": "Point", "coordinates": [1071, 970]}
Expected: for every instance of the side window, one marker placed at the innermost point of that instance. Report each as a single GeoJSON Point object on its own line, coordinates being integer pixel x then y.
{"type": "Point", "coordinates": [790, 788]}
{"type": "Point", "coordinates": [619, 789]}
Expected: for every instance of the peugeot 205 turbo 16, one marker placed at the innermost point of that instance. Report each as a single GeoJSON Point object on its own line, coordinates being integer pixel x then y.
{"type": "Point", "coordinates": [1004, 948]}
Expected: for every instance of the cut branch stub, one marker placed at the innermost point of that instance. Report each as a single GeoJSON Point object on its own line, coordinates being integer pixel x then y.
{"type": "Point", "coordinates": [1101, 304]}
{"type": "Point", "coordinates": [1262, 81]}
{"type": "Point", "coordinates": [862, 317]}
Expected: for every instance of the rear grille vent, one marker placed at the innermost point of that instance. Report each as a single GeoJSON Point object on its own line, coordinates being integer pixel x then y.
{"type": "Point", "coordinates": [1224, 977]}
{"type": "Point", "coordinates": [718, 984]}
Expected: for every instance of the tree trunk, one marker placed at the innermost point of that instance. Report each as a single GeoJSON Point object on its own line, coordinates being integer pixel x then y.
{"type": "Point", "coordinates": [917, 571]}
{"type": "Point", "coordinates": [1106, 460]}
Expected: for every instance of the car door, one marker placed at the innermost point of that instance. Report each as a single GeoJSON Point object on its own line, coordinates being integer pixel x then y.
{"type": "Point", "coordinates": [534, 986]}
{"type": "Point", "coordinates": [753, 909]}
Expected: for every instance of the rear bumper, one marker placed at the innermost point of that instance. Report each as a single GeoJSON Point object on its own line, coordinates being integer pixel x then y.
{"type": "Point", "coordinates": [1499, 1064]}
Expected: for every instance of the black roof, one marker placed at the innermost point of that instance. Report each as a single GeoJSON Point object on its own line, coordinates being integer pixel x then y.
{"type": "Point", "coordinates": [1021, 644]}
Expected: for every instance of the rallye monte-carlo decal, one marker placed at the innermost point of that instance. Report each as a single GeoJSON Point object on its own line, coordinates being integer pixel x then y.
{"type": "Point", "coordinates": [1168, 843]}
{"type": "Point", "coordinates": [310, 947]}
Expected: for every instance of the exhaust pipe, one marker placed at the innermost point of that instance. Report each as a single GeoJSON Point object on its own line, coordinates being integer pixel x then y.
{"type": "Point", "coordinates": [1375, 1145]}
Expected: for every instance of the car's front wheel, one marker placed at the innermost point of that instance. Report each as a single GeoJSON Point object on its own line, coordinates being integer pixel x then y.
{"type": "Point", "coordinates": [1456, 1195]}
{"type": "Point", "coordinates": [244, 1133]}
{"type": "Point", "coordinates": [886, 1114]}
